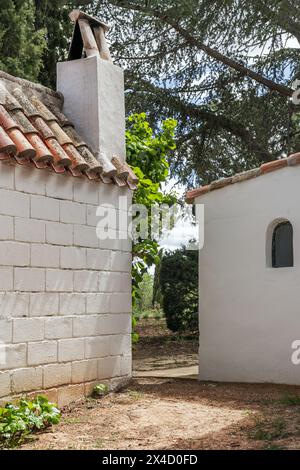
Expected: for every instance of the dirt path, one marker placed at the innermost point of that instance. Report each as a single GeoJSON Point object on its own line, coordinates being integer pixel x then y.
{"type": "Point", "coordinates": [158, 413]}
{"type": "Point", "coordinates": [181, 414]}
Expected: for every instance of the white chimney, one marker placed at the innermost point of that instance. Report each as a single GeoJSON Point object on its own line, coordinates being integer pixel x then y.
{"type": "Point", "coordinates": [93, 89]}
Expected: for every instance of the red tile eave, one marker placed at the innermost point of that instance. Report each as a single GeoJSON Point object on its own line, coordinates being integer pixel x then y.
{"type": "Point", "coordinates": [32, 135]}
{"type": "Point", "coordinates": [265, 168]}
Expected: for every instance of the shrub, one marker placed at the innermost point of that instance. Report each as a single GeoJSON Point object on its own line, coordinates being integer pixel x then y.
{"type": "Point", "coordinates": [18, 421]}
{"type": "Point", "coordinates": [179, 286]}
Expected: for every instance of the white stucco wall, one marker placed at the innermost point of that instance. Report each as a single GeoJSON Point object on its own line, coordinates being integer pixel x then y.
{"type": "Point", "coordinates": [249, 313]}
{"type": "Point", "coordinates": [65, 295]}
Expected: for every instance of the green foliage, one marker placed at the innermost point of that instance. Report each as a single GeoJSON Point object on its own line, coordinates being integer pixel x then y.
{"type": "Point", "coordinates": [100, 390]}
{"type": "Point", "coordinates": [179, 285]}
{"type": "Point", "coordinates": [292, 400]}
{"type": "Point", "coordinates": [147, 153]}
{"type": "Point", "coordinates": [145, 293]}
{"type": "Point", "coordinates": [18, 421]}
{"type": "Point", "coordinates": [53, 17]}
{"type": "Point", "coordinates": [227, 121]}
{"type": "Point", "coordinates": [21, 44]}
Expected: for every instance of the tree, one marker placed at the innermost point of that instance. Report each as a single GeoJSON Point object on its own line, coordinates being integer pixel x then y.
{"type": "Point", "coordinates": [53, 17]}
{"type": "Point", "coordinates": [179, 286]}
{"type": "Point", "coordinates": [221, 68]}
{"type": "Point", "coordinates": [21, 44]}
{"type": "Point", "coordinates": [147, 153]}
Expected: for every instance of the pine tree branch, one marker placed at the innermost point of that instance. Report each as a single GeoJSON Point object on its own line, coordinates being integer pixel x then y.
{"type": "Point", "coordinates": [212, 119]}
{"type": "Point", "coordinates": [195, 42]}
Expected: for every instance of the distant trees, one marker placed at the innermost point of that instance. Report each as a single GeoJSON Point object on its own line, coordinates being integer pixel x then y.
{"type": "Point", "coordinates": [179, 286]}
{"type": "Point", "coordinates": [22, 45]}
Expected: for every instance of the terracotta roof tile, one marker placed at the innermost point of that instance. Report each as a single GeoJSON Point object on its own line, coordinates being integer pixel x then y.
{"type": "Point", "coordinates": [35, 132]}
{"type": "Point", "coordinates": [43, 153]}
{"type": "Point", "coordinates": [293, 159]}
{"type": "Point", "coordinates": [272, 166]}
{"type": "Point", "coordinates": [6, 144]}
{"type": "Point", "coordinates": [122, 171]}
{"type": "Point", "coordinates": [24, 148]}
{"type": "Point", "coordinates": [6, 121]}
{"type": "Point", "coordinates": [246, 175]}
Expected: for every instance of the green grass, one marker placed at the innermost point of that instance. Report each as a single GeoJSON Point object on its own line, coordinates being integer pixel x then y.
{"type": "Point", "coordinates": [155, 313]}
{"type": "Point", "coordinates": [268, 431]}
{"type": "Point", "coordinates": [289, 400]}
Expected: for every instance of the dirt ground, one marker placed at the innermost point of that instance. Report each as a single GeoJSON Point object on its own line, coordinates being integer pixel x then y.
{"type": "Point", "coordinates": [179, 413]}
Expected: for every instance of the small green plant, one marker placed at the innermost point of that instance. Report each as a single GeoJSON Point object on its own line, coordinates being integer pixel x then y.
{"type": "Point", "coordinates": [264, 431]}
{"type": "Point", "coordinates": [18, 421]}
{"type": "Point", "coordinates": [291, 400]}
{"type": "Point", "coordinates": [100, 390]}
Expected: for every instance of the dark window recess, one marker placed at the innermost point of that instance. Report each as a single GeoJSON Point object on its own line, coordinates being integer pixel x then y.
{"type": "Point", "coordinates": [282, 246]}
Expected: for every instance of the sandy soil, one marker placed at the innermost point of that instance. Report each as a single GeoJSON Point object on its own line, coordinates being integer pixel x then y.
{"type": "Point", "coordinates": [179, 413]}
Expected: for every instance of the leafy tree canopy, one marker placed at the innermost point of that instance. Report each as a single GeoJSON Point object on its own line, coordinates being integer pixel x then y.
{"type": "Point", "coordinates": [195, 60]}
{"type": "Point", "coordinates": [21, 45]}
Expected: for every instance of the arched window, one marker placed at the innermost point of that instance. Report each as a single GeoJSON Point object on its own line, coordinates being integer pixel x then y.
{"type": "Point", "coordinates": [282, 245]}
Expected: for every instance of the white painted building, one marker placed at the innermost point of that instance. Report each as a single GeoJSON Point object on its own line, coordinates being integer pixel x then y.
{"type": "Point", "coordinates": [65, 293]}
{"type": "Point", "coordinates": [249, 266]}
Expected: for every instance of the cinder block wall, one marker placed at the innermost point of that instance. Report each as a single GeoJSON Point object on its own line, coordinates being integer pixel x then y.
{"type": "Point", "coordinates": [65, 295]}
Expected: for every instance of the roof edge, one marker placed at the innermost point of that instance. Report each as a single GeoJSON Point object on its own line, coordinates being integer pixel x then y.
{"type": "Point", "coordinates": [268, 167]}
{"type": "Point", "coordinates": [34, 86]}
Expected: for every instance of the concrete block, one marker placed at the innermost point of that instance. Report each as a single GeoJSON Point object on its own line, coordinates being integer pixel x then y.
{"type": "Point", "coordinates": [126, 365]}
{"type": "Point", "coordinates": [15, 356]}
{"type": "Point", "coordinates": [96, 347]}
{"type": "Point", "coordinates": [5, 331]}
{"type": "Point", "coordinates": [109, 367]}
{"type": "Point", "coordinates": [14, 203]}
{"type": "Point", "coordinates": [98, 259]}
{"type": "Point", "coordinates": [92, 218]}
{"type": "Point", "coordinates": [29, 279]}
{"type": "Point", "coordinates": [70, 349]}
{"type": "Point", "coordinates": [69, 394]}
{"type": "Point", "coordinates": [57, 374]}
{"type": "Point", "coordinates": [72, 212]}
{"type": "Point", "coordinates": [86, 325]}
{"type": "Point", "coordinates": [6, 279]}
{"type": "Point", "coordinates": [30, 230]}
{"type": "Point", "coordinates": [14, 304]}
{"type": "Point", "coordinates": [120, 345]}
{"type": "Point", "coordinates": [84, 371]}
{"type": "Point", "coordinates": [72, 304]}
{"type": "Point", "coordinates": [45, 256]}
{"type": "Point", "coordinates": [6, 228]}
{"type": "Point", "coordinates": [7, 176]}
{"type": "Point", "coordinates": [45, 208]}
{"type": "Point", "coordinates": [5, 388]}
{"type": "Point", "coordinates": [14, 254]}
{"type": "Point", "coordinates": [60, 186]}
{"type": "Point", "coordinates": [28, 329]}
{"type": "Point", "coordinates": [86, 281]}
{"type": "Point", "coordinates": [56, 328]}
{"type": "Point", "coordinates": [73, 257]}
{"type": "Point", "coordinates": [29, 180]}
{"type": "Point", "coordinates": [86, 191]}
{"type": "Point", "coordinates": [43, 352]}
{"type": "Point", "coordinates": [85, 236]}
{"type": "Point", "coordinates": [27, 379]}
{"type": "Point", "coordinates": [59, 280]}
{"type": "Point", "coordinates": [44, 304]}
{"type": "Point", "coordinates": [97, 303]}
{"type": "Point", "coordinates": [59, 234]}
{"type": "Point", "coordinates": [121, 261]}
{"type": "Point", "coordinates": [120, 302]}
